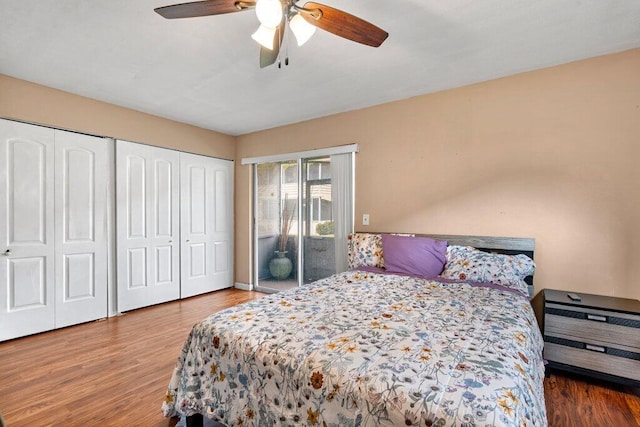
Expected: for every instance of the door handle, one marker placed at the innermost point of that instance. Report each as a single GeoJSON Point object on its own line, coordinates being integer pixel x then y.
{"type": "Point", "coordinates": [7, 252]}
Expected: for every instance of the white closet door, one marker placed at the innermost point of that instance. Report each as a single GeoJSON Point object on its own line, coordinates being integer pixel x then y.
{"type": "Point", "coordinates": [81, 175]}
{"type": "Point", "coordinates": [147, 236]}
{"type": "Point", "coordinates": [26, 232]}
{"type": "Point", "coordinates": [206, 224]}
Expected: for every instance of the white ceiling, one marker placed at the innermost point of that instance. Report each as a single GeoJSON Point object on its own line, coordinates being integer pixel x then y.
{"type": "Point", "coordinates": [205, 71]}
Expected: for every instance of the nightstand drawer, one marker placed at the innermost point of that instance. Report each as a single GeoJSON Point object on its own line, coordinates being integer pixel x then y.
{"type": "Point", "coordinates": [594, 360]}
{"type": "Point", "coordinates": [592, 327]}
{"type": "Point", "coordinates": [583, 322]}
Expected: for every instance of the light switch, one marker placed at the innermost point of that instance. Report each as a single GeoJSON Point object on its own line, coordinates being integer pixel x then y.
{"type": "Point", "coordinates": [365, 219]}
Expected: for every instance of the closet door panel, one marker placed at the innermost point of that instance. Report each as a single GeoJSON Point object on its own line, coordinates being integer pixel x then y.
{"type": "Point", "coordinates": [147, 225]}
{"type": "Point", "coordinates": [221, 256]}
{"type": "Point", "coordinates": [198, 193]}
{"type": "Point", "coordinates": [136, 197]}
{"type": "Point", "coordinates": [133, 267]}
{"type": "Point", "coordinates": [166, 233]}
{"type": "Point", "coordinates": [222, 190]}
{"type": "Point", "coordinates": [206, 224]}
{"type": "Point", "coordinates": [222, 236]}
{"type": "Point", "coordinates": [136, 269]}
{"type": "Point", "coordinates": [164, 227]}
{"type": "Point", "coordinates": [223, 223]}
{"type": "Point", "coordinates": [164, 267]}
{"type": "Point", "coordinates": [164, 199]}
{"type": "Point", "coordinates": [27, 232]}
{"type": "Point", "coordinates": [194, 246]}
{"type": "Point", "coordinates": [82, 164]}
{"type": "Point", "coordinates": [80, 282]}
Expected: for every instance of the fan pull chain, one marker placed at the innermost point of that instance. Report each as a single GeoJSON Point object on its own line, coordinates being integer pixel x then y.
{"type": "Point", "coordinates": [285, 42]}
{"type": "Point", "coordinates": [286, 48]}
{"type": "Point", "coordinates": [280, 39]}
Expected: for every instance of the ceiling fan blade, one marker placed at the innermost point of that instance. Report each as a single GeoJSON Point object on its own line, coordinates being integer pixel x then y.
{"type": "Point", "coordinates": [203, 8]}
{"type": "Point", "coordinates": [345, 25]}
{"type": "Point", "coordinates": [269, 56]}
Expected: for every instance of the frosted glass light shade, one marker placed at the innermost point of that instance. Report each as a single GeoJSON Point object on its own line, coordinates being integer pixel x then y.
{"type": "Point", "coordinates": [269, 12]}
{"type": "Point", "coordinates": [301, 29]}
{"type": "Point", "coordinates": [264, 36]}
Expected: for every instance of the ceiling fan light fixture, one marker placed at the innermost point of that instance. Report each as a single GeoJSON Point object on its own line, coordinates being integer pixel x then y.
{"type": "Point", "coordinates": [269, 12]}
{"type": "Point", "coordinates": [276, 15]}
{"type": "Point", "coordinates": [264, 35]}
{"type": "Point", "coordinates": [301, 29]}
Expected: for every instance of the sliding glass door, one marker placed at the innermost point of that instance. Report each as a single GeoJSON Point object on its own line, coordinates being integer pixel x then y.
{"type": "Point", "coordinates": [276, 225]}
{"type": "Point", "coordinates": [295, 221]}
{"type": "Point", "coordinates": [317, 231]}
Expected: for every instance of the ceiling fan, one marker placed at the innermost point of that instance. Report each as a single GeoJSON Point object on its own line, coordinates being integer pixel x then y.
{"type": "Point", "coordinates": [276, 15]}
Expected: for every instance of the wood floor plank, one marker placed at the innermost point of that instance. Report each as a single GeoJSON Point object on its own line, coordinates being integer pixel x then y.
{"type": "Point", "coordinates": [573, 400]}
{"type": "Point", "coordinates": [115, 373]}
{"type": "Point", "coordinates": [112, 372]}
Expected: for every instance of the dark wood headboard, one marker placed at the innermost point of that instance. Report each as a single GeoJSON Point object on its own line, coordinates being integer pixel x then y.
{"type": "Point", "coordinates": [501, 245]}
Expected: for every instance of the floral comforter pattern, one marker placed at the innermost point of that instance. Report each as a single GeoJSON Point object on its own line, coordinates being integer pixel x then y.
{"type": "Point", "coordinates": [365, 349]}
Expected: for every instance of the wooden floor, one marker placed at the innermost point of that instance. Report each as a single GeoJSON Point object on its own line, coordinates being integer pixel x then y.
{"type": "Point", "coordinates": [111, 373]}
{"type": "Point", "coordinates": [578, 401]}
{"type": "Point", "coordinates": [115, 373]}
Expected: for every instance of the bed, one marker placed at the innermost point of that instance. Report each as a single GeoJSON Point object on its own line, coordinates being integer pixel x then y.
{"type": "Point", "coordinates": [373, 346]}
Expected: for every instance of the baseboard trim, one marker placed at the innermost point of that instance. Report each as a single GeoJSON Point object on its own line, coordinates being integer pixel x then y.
{"type": "Point", "coordinates": [244, 286]}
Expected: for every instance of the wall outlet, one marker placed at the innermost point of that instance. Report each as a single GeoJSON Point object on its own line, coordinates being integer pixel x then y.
{"type": "Point", "coordinates": [365, 219]}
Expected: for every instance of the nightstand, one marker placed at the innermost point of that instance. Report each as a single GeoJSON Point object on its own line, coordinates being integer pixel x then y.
{"type": "Point", "coordinates": [597, 335]}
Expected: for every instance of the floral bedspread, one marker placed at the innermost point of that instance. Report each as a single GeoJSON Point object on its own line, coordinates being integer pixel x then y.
{"type": "Point", "coordinates": [365, 349]}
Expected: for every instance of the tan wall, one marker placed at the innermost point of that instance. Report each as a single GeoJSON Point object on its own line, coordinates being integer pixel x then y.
{"type": "Point", "coordinates": [29, 102]}
{"type": "Point", "coordinates": [551, 154]}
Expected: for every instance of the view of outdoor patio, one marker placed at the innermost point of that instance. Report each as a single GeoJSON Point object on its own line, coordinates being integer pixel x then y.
{"type": "Point", "coordinates": [278, 226]}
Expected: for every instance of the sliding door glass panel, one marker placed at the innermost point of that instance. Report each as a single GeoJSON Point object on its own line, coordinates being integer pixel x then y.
{"type": "Point", "coordinates": [276, 225]}
{"type": "Point", "coordinates": [303, 214]}
{"type": "Point", "coordinates": [319, 247]}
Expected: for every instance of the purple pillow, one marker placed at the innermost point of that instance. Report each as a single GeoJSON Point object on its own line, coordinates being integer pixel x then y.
{"type": "Point", "coordinates": [420, 256]}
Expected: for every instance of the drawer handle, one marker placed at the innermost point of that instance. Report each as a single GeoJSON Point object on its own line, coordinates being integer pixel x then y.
{"type": "Point", "coordinates": [596, 318]}
{"type": "Point", "coordinates": [594, 348]}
